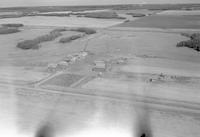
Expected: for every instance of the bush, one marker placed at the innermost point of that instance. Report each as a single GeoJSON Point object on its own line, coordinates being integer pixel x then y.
{"type": "Point", "coordinates": [193, 43]}
{"type": "Point", "coordinates": [13, 25]}
{"type": "Point", "coordinates": [48, 37]}
{"type": "Point", "coordinates": [28, 44]}
{"type": "Point", "coordinates": [5, 30]}
{"type": "Point", "coordinates": [103, 15]}
{"type": "Point", "coordinates": [195, 36]}
{"type": "Point", "coordinates": [56, 14]}
{"type": "Point", "coordinates": [191, 36]}
{"type": "Point", "coordinates": [69, 39]}
{"type": "Point", "coordinates": [87, 31]}
{"type": "Point", "coordinates": [181, 44]}
{"type": "Point", "coordinates": [186, 35]}
{"type": "Point", "coordinates": [58, 30]}
{"type": "Point", "coordinates": [127, 21]}
{"type": "Point", "coordinates": [136, 14]}
{"type": "Point", "coordinates": [34, 44]}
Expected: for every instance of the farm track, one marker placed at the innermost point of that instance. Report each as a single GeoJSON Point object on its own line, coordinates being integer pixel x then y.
{"type": "Point", "coordinates": [189, 108]}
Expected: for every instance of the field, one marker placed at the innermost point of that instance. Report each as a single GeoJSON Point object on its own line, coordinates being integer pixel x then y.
{"type": "Point", "coordinates": [143, 78]}
{"type": "Point", "coordinates": [165, 22]}
{"type": "Point", "coordinates": [179, 12]}
{"type": "Point", "coordinates": [57, 21]}
{"type": "Point", "coordinates": [16, 75]}
{"type": "Point", "coordinates": [76, 111]}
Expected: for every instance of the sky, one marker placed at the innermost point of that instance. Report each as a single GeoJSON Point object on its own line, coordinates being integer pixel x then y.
{"type": "Point", "coordinates": [13, 3]}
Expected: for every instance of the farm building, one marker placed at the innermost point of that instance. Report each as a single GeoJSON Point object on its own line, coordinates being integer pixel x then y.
{"type": "Point", "coordinates": [99, 66]}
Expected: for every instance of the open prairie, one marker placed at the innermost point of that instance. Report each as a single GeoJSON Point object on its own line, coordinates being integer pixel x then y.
{"type": "Point", "coordinates": [108, 77]}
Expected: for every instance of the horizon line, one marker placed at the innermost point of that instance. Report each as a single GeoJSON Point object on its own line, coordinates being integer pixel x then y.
{"type": "Point", "coordinates": [99, 5]}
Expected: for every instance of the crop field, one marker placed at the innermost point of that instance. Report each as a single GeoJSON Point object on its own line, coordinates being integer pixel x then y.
{"type": "Point", "coordinates": [165, 22]}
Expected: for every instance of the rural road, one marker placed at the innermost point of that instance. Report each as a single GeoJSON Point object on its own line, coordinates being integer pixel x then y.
{"type": "Point", "coordinates": [25, 108]}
